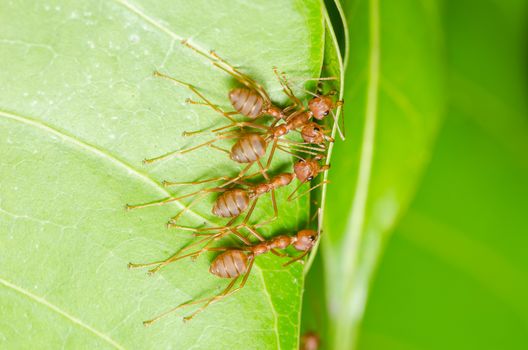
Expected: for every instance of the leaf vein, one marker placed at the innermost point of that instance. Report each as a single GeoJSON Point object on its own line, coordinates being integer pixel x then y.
{"type": "Point", "coordinates": [63, 313]}
{"type": "Point", "coordinates": [275, 315]}
{"type": "Point", "coordinates": [103, 155]}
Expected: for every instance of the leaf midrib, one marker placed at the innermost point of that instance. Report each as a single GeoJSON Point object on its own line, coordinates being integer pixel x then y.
{"type": "Point", "coordinates": [105, 156]}
{"type": "Point", "coordinates": [61, 312]}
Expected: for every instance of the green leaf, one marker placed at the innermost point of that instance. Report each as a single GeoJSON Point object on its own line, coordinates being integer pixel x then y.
{"type": "Point", "coordinates": [314, 306]}
{"type": "Point", "coordinates": [79, 110]}
{"type": "Point", "coordinates": [393, 103]}
{"type": "Point", "coordinates": [455, 275]}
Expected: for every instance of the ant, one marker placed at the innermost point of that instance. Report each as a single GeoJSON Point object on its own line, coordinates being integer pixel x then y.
{"type": "Point", "coordinates": [251, 147]}
{"type": "Point", "coordinates": [253, 101]}
{"type": "Point", "coordinates": [310, 341]}
{"type": "Point", "coordinates": [236, 264]}
{"type": "Point", "coordinates": [234, 201]}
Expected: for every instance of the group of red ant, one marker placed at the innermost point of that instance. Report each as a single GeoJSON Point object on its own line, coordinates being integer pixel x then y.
{"type": "Point", "coordinates": [238, 196]}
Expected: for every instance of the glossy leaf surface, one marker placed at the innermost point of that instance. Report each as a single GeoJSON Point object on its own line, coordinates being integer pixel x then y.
{"type": "Point", "coordinates": [79, 110]}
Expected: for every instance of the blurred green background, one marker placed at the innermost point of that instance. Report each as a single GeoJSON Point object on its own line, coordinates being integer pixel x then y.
{"type": "Point", "coordinates": [445, 266]}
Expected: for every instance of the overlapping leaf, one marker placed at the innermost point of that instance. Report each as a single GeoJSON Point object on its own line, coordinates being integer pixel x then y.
{"type": "Point", "coordinates": [79, 110]}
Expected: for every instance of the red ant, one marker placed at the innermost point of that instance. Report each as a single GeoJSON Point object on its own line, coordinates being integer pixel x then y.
{"type": "Point", "coordinates": [235, 263]}
{"type": "Point", "coordinates": [234, 201]}
{"type": "Point", "coordinates": [310, 341]}
{"type": "Point", "coordinates": [312, 134]}
{"type": "Point", "coordinates": [254, 102]}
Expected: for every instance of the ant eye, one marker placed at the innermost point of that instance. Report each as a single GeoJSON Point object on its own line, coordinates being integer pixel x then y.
{"type": "Point", "coordinates": [326, 113]}
{"type": "Point", "coordinates": [312, 238]}
{"type": "Point", "coordinates": [310, 178]}
{"type": "Point", "coordinates": [317, 129]}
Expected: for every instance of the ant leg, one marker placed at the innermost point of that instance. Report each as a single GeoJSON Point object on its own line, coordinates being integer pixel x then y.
{"type": "Point", "coordinates": [275, 211]}
{"type": "Point", "coordinates": [187, 150]}
{"type": "Point", "coordinates": [275, 208]}
{"type": "Point", "coordinates": [187, 207]}
{"type": "Point", "coordinates": [220, 178]}
{"type": "Point", "coordinates": [255, 232]}
{"type": "Point", "coordinates": [197, 93]}
{"type": "Point", "coordinates": [243, 78]}
{"type": "Point", "coordinates": [170, 184]}
{"type": "Point", "coordinates": [313, 79]}
{"type": "Point", "coordinates": [294, 114]}
{"type": "Point", "coordinates": [212, 238]}
{"type": "Point", "coordinates": [242, 125]}
{"type": "Point", "coordinates": [227, 292]}
{"type": "Point", "coordinates": [240, 77]}
{"type": "Point", "coordinates": [202, 229]}
{"type": "Point", "coordinates": [160, 264]}
{"type": "Point", "coordinates": [296, 150]}
{"type": "Point", "coordinates": [235, 232]}
{"type": "Point", "coordinates": [212, 105]}
{"type": "Point", "coordinates": [272, 153]}
{"type": "Point", "coordinates": [289, 108]}
{"type": "Point", "coordinates": [305, 145]}
{"type": "Point", "coordinates": [263, 170]}
{"type": "Point", "coordinates": [298, 258]}
{"type": "Point", "coordinates": [206, 240]}
{"type": "Point", "coordinates": [301, 150]}
{"type": "Point", "coordinates": [202, 131]}
{"type": "Point", "coordinates": [250, 212]}
{"type": "Point", "coordinates": [315, 215]}
{"type": "Point", "coordinates": [326, 137]}
{"type": "Point", "coordinates": [340, 130]}
{"type": "Point", "coordinates": [171, 199]}
{"type": "Point", "coordinates": [202, 103]}
{"type": "Point", "coordinates": [157, 318]}
{"type": "Point", "coordinates": [290, 153]}
{"type": "Point", "coordinates": [277, 253]}
{"type": "Point", "coordinates": [226, 231]}
{"type": "Point", "coordinates": [291, 198]}
{"type": "Point", "coordinates": [220, 149]}
{"type": "Point", "coordinates": [286, 88]}
{"type": "Point", "coordinates": [239, 176]}
{"type": "Point", "coordinates": [231, 70]}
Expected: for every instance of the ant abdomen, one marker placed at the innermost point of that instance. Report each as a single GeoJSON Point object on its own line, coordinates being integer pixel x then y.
{"type": "Point", "coordinates": [249, 148]}
{"type": "Point", "coordinates": [247, 102]}
{"type": "Point", "coordinates": [231, 203]}
{"type": "Point", "coordinates": [229, 264]}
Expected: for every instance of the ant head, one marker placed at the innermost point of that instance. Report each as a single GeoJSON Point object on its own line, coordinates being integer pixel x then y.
{"type": "Point", "coordinates": [306, 169]}
{"type": "Point", "coordinates": [320, 106]}
{"type": "Point", "coordinates": [313, 133]}
{"type": "Point", "coordinates": [305, 240]}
